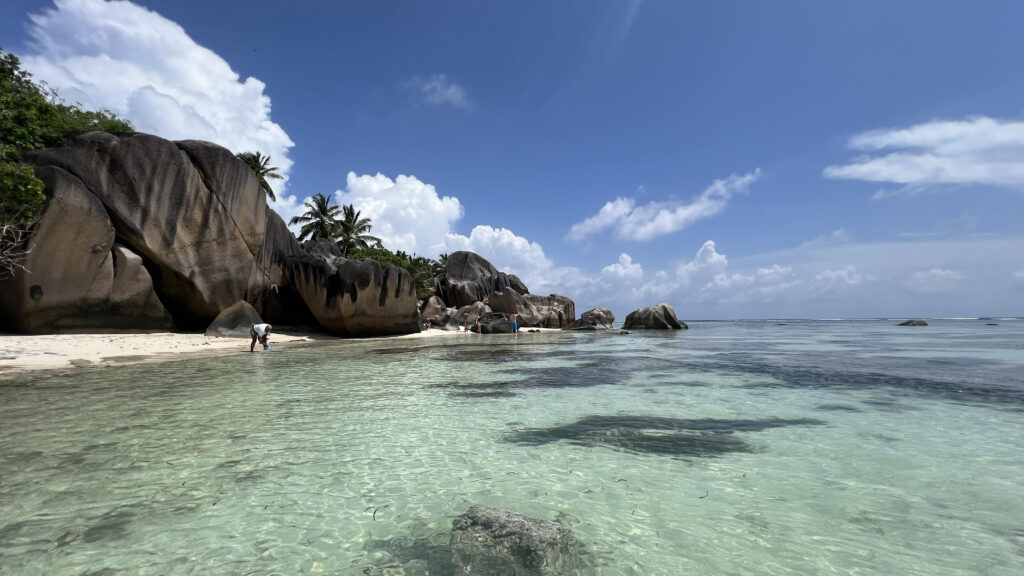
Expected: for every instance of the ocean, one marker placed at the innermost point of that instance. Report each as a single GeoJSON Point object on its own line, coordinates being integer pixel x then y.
{"type": "Point", "coordinates": [747, 447]}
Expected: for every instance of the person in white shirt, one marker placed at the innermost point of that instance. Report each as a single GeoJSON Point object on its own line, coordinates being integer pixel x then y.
{"type": "Point", "coordinates": [260, 332]}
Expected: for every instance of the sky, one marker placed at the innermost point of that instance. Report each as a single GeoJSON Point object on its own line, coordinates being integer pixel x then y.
{"type": "Point", "coordinates": [734, 159]}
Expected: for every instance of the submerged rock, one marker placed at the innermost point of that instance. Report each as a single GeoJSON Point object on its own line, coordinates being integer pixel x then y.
{"type": "Point", "coordinates": [660, 317]}
{"type": "Point", "coordinates": [913, 323]}
{"type": "Point", "coordinates": [489, 541]}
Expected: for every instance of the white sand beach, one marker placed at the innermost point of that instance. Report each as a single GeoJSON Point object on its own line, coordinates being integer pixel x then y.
{"type": "Point", "coordinates": [20, 352]}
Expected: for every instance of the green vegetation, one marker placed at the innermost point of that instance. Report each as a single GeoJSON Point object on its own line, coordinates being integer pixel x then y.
{"type": "Point", "coordinates": [354, 231]}
{"type": "Point", "coordinates": [351, 232]}
{"type": "Point", "coordinates": [320, 221]}
{"type": "Point", "coordinates": [32, 116]}
{"type": "Point", "coordinates": [260, 165]}
{"type": "Point", "coordinates": [421, 269]}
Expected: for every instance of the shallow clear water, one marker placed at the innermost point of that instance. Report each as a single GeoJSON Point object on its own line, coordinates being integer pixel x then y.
{"type": "Point", "coordinates": [730, 448]}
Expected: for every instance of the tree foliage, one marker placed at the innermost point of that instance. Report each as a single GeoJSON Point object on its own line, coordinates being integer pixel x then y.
{"type": "Point", "coordinates": [354, 231]}
{"type": "Point", "coordinates": [32, 116]}
{"type": "Point", "coordinates": [320, 221]}
{"type": "Point", "coordinates": [421, 269]}
{"type": "Point", "coordinates": [260, 165]}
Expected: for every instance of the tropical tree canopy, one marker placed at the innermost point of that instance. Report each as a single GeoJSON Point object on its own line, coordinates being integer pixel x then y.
{"type": "Point", "coordinates": [260, 165]}
{"type": "Point", "coordinates": [32, 116]}
{"type": "Point", "coordinates": [320, 221]}
{"type": "Point", "coordinates": [355, 231]}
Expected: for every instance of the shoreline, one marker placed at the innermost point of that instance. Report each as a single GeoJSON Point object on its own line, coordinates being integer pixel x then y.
{"type": "Point", "coordinates": [37, 355]}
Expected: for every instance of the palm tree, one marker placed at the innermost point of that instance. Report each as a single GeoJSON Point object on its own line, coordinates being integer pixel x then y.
{"type": "Point", "coordinates": [355, 231]}
{"type": "Point", "coordinates": [320, 222]}
{"type": "Point", "coordinates": [260, 165]}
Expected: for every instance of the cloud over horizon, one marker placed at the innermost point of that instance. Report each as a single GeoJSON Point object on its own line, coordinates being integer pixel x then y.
{"type": "Point", "coordinates": [146, 68]}
{"type": "Point", "coordinates": [644, 223]}
{"type": "Point", "coordinates": [438, 90]}
{"type": "Point", "coordinates": [979, 150]}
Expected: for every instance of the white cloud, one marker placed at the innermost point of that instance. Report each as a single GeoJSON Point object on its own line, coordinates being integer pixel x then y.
{"type": "Point", "coordinates": [935, 280]}
{"type": "Point", "coordinates": [839, 236]}
{"type": "Point", "coordinates": [144, 67]}
{"type": "Point", "coordinates": [978, 150]}
{"type": "Point", "coordinates": [609, 214]}
{"type": "Point", "coordinates": [406, 213]}
{"type": "Point", "coordinates": [642, 223]}
{"type": "Point", "coordinates": [438, 90]}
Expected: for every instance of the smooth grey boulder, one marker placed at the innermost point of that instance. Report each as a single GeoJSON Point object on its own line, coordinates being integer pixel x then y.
{"type": "Point", "coordinates": [234, 321]}
{"type": "Point", "coordinates": [78, 278]}
{"type": "Point", "coordinates": [913, 323]}
{"type": "Point", "coordinates": [468, 315]}
{"type": "Point", "coordinates": [495, 323]}
{"type": "Point", "coordinates": [660, 317]}
{"type": "Point", "coordinates": [488, 541]}
{"type": "Point", "coordinates": [432, 310]}
{"type": "Point", "coordinates": [470, 278]}
{"type": "Point", "coordinates": [356, 299]}
{"type": "Point", "coordinates": [552, 311]}
{"type": "Point", "coordinates": [593, 319]}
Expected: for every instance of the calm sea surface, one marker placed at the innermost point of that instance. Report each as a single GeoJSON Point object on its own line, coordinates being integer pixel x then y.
{"type": "Point", "coordinates": [808, 447]}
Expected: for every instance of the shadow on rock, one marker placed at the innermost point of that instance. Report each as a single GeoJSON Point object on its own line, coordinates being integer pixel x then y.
{"type": "Point", "coordinates": [673, 437]}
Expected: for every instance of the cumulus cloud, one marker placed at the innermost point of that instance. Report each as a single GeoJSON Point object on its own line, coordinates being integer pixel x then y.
{"type": "Point", "coordinates": [839, 236]}
{"type": "Point", "coordinates": [146, 68]}
{"type": "Point", "coordinates": [979, 150]}
{"type": "Point", "coordinates": [438, 90]}
{"type": "Point", "coordinates": [642, 223]}
{"type": "Point", "coordinates": [406, 213]}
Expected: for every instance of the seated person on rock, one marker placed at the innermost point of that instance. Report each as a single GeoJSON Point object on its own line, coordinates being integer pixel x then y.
{"type": "Point", "coordinates": [260, 332]}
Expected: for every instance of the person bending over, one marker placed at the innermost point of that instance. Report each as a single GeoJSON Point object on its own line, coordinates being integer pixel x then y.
{"type": "Point", "coordinates": [260, 332]}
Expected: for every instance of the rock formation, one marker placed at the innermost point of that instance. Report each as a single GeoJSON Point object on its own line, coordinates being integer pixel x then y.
{"type": "Point", "coordinates": [234, 321]}
{"type": "Point", "coordinates": [494, 541]}
{"type": "Point", "coordinates": [141, 233]}
{"type": "Point", "coordinates": [593, 319]}
{"type": "Point", "coordinates": [352, 298]}
{"type": "Point", "coordinates": [660, 317]}
{"type": "Point", "coordinates": [914, 323]}
{"type": "Point", "coordinates": [470, 279]}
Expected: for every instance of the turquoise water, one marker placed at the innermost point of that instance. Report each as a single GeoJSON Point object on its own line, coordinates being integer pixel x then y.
{"type": "Point", "coordinates": [811, 447]}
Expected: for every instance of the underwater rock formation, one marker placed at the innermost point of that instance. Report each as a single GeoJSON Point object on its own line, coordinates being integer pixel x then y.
{"type": "Point", "coordinates": [488, 541]}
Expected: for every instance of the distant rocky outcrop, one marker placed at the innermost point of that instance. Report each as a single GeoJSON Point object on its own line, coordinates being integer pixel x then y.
{"type": "Point", "coordinates": [494, 541]}
{"type": "Point", "coordinates": [140, 233]}
{"type": "Point", "coordinates": [660, 317]}
{"type": "Point", "coordinates": [593, 319]}
{"type": "Point", "coordinates": [913, 323]}
{"type": "Point", "coordinates": [470, 279]}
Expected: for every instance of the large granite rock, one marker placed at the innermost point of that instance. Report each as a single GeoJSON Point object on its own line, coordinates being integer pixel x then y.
{"type": "Point", "coordinates": [235, 321]}
{"type": "Point", "coordinates": [141, 233]}
{"type": "Point", "coordinates": [432, 310]}
{"type": "Point", "coordinates": [593, 319]}
{"type": "Point", "coordinates": [488, 541]}
{"type": "Point", "coordinates": [79, 279]}
{"type": "Point", "coordinates": [470, 278]}
{"type": "Point", "coordinates": [355, 299]}
{"type": "Point", "coordinates": [660, 317]}
{"type": "Point", "coordinates": [197, 225]}
{"type": "Point", "coordinates": [552, 311]}
{"type": "Point", "coordinates": [913, 323]}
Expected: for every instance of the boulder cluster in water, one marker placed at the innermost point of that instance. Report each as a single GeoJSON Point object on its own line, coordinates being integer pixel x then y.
{"type": "Point", "coordinates": [144, 234]}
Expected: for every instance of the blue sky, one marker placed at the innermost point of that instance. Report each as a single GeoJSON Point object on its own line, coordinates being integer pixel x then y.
{"type": "Point", "coordinates": [733, 159]}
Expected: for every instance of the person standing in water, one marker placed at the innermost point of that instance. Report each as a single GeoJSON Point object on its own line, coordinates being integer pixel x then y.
{"type": "Point", "coordinates": [260, 332]}
{"type": "Point", "coordinates": [512, 321]}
